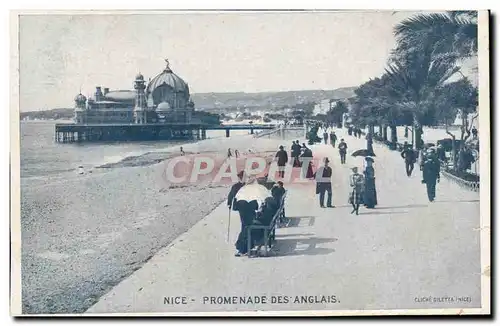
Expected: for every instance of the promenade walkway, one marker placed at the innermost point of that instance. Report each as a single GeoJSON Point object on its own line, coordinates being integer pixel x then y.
{"type": "Point", "coordinates": [397, 256]}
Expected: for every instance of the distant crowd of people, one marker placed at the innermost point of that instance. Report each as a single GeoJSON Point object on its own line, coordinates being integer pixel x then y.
{"type": "Point", "coordinates": [362, 184]}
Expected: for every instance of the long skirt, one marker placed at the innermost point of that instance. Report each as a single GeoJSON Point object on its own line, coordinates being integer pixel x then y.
{"type": "Point", "coordinates": [310, 173]}
{"type": "Point", "coordinates": [370, 193]}
{"type": "Point", "coordinates": [247, 215]}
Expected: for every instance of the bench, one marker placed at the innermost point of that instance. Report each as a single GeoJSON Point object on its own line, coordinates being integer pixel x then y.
{"type": "Point", "coordinates": [269, 231]}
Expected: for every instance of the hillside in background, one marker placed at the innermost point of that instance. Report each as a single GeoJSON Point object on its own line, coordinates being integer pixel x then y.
{"type": "Point", "coordinates": [268, 101]}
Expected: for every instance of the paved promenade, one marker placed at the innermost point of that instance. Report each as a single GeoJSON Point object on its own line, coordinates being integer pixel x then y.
{"type": "Point", "coordinates": [405, 254]}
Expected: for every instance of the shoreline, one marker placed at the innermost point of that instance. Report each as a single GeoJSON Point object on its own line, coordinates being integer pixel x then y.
{"type": "Point", "coordinates": [82, 235]}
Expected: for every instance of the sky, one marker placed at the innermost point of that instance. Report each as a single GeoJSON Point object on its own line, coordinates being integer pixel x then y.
{"type": "Point", "coordinates": [212, 52]}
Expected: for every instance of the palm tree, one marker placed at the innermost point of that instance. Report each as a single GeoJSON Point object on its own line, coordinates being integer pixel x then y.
{"type": "Point", "coordinates": [452, 34]}
{"type": "Point", "coordinates": [414, 81]}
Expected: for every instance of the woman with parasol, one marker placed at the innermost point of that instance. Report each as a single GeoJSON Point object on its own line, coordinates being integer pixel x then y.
{"type": "Point", "coordinates": [370, 191]}
{"type": "Point", "coordinates": [248, 200]}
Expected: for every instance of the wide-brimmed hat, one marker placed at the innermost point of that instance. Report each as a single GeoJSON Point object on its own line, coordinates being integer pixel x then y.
{"type": "Point", "coordinates": [326, 160]}
{"type": "Point", "coordinates": [354, 168]}
{"type": "Point", "coordinates": [369, 159]}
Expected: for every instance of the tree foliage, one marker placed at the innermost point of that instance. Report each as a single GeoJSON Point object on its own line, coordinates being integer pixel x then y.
{"type": "Point", "coordinates": [336, 113]}
{"type": "Point", "coordinates": [452, 35]}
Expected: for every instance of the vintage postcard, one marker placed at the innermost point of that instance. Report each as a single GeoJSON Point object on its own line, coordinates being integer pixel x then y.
{"type": "Point", "coordinates": [257, 163]}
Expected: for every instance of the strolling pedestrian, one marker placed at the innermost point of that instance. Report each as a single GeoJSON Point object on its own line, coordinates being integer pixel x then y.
{"type": "Point", "coordinates": [333, 138]}
{"type": "Point", "coordinates": [356, 182]}
{"type": "Point", "coordinates": [370, 190]}
{"type": "Point", "coordinates": [229, 153]}
{"type": "Point", "coordinates": [369, 143]}
{"type": "Point", "coordinates": [431, 174]}
{"type": "Point", "coordinates": [324, 184]}
{"type": "Point", "coordinates": [410, 158]}
{"type": "Point", "coordinates": [307, 156]}
{"type": "Point", "coordinates": [325, 137]}
{"type": "Point", "coordinates": [296, 150]}
{"type": "Point", "coordinates": [342, 150]}
{"type": "Point", "coordinates": [182, 152]}
{"type": "Point", "coordinates": [282, 158]}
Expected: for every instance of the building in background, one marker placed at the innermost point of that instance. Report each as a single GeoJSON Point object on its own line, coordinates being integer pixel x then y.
{"type": "Point", "coordinates": [164, 99]}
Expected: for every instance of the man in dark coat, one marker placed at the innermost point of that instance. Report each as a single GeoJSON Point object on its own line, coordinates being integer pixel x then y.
{"type": "Point", "coordinates": [410, 157]}
{"type": "Point", "coordinates": [282, 157]}
{"type": "Point", "coordinates": [430, 174]}
{"type": "Point", "coordinates": [333, 138]}
{"type": "Point", "coordinates": [293, 153]}
{"type": "Point", "coordinates": [325, 137]}
{"type": "Point", "coordinates": [474, 132]}
{"type": "Point", "coordinates": [277, 192]}
{"type": "Point", "coordinates": [296, 149]}
{"type": "Point", "coordinates": [369, 143]}
{"type": "Point", "coordinates": [342, 151]}
{"type": "Point", "coordinates": [324, 184]}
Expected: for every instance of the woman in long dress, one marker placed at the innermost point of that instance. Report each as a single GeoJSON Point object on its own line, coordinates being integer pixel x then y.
{"type": "Point", "coordinates": [370, 191]}
{"type": "Point", "coordinates": [308, 155]}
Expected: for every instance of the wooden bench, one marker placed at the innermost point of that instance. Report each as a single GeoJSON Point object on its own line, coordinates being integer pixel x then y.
{"type": "Point", "coordinates": [269, 231]}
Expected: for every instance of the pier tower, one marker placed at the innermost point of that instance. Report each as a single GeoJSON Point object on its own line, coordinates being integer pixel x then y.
{"type": "Point", "coordinates": [140, 100]}
{"type": "Point", "coordinates": [80, 108]}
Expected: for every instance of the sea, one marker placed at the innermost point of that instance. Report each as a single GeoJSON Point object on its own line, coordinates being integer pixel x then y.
{"type": "Point", "coordinates": [42, 157]}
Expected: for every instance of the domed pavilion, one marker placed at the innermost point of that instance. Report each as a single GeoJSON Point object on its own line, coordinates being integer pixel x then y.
{"type": "Point", "coordinates": [165, 99]}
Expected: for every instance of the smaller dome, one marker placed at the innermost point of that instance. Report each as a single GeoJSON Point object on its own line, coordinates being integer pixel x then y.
{"type": "Point", "coordinates": [139, 77]}
{"type": "Point", "coordinates": [163, 106]}
{"type": "Point", "coordinates": [80, 98]}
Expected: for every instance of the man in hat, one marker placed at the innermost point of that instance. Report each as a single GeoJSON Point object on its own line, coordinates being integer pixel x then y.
{"type": "Point", "coordinates": [342, 151]}
{"type": "Point", "coordinates": [277, 192]}
{"type": "Point", "coordinates": [234, 190]}
{"type": "Point", "coordinates": [325, 137]}
{"type": "Point", "coordinates": [333, 138]}
{"type": "Point", "coordinates": [410, 157]}
{"type": "Point", "coordinates": [324, 184]}
{"type": "Point", "coordinates": [295, 153]}
{"type": "Point", "coordinates": [430, 174]}
{"type": "Point", "coordinates": [282, 157]}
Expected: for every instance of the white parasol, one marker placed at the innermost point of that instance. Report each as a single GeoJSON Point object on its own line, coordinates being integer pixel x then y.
{"type": "Point", "coordinates": [253, 191]}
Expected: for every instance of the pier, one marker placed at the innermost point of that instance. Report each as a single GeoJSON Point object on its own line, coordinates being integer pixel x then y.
{"type": "Point", "coordinates": [71, 133]}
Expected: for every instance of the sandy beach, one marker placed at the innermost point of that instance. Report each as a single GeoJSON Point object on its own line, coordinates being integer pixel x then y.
{"type": "Point", "coordinates": [83, 235]}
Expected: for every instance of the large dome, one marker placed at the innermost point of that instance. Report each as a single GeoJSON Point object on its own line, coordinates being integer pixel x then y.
{"type": "Point", "coordinates": [162, 107]}
{"type": "Point", "coordinates": [169, 78]}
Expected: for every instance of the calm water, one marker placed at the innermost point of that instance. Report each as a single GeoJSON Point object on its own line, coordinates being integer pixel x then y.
{"type": "Point", "coordinates": [42, 156]}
